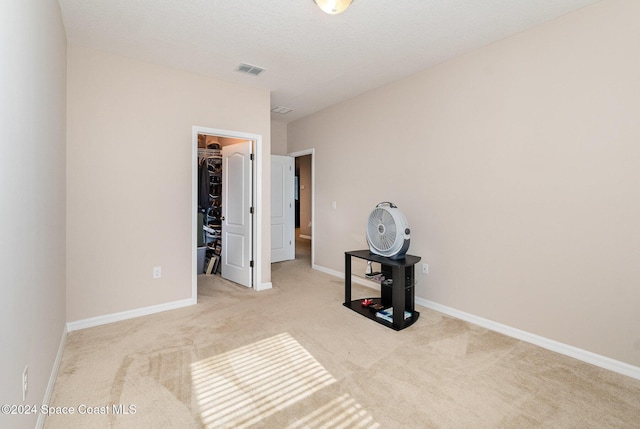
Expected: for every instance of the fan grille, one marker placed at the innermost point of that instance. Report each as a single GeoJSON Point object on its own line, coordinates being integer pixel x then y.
{"type": "Point", "coordinates": [382, 229]}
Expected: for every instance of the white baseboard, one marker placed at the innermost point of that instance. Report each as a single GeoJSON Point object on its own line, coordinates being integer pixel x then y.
{"type": "Point", "coordinates": [52, 378]}
{"type": "Point", "coordinates": [264, 286]}
{"type": "Point", "coordinates": [328, 271]}
{"type": "Point", "coordinates": [130, 314]}
{"type": "Point", "coordinates": [546, 343]}
{"type": "Point", "coordinates": [354, 279]}
{"type": "Point", "coordinates": [306, 237]}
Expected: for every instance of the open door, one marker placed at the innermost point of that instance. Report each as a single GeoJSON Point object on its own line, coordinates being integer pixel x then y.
{"type": "Point", "coordinates": [237, 213]}
{"type": "Point", "coordinates": [282, 209]}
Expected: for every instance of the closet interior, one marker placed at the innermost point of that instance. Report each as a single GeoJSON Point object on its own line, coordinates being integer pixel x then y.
{"type": "Point", "coordinates": [209, 204]}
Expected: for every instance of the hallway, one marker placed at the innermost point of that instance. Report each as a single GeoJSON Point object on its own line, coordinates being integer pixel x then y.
{"type": "Point", "coordinates": [303, 248]}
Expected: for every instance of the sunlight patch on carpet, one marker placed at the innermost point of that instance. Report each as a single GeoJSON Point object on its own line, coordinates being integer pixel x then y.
{"type": "Point", "coordinates": [243, 386]}
{"type": "Point", "coordinates": [342, 412]}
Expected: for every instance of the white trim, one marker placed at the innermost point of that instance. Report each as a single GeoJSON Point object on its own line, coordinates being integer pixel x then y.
{"type": "Point", "coordinates": [328, 271]}
{"type": "Point", "coordinates": [129, 314]}
{"type": "Point", "coordinates": [546, 343]}
{"type": "Point", "coordinates": [194, 213]}
{"type": "Point", "coordinates": [305, 237]}
{"type": "Point", "coordinates": [265, 286]}
{"type": "Point", "coordinates": [311, 152]}
{"type": "Point", "coordinates": [53, 377]}
{"type": "Point", "coordinates": [354, 279]}
{"type": "Point", "coordinates": [257, 192]}
{"type": "Point", "coordinates": [257, 210]}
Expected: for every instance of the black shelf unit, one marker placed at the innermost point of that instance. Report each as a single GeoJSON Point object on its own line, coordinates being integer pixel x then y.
{"type": "Point", "coordinates": [399, 295]}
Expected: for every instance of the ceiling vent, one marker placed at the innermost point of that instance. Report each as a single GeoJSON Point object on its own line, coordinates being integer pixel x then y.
{"type": "Point", "coordinates": [280, 109]}
{"type": "Point", "coordinates": [249, 69]}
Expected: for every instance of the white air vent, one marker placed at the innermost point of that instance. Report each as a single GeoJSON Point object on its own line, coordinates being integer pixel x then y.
{"type": "Point", "coordinates": [249, 69]}
{"type": "Point", "coordinates": [280, 109]}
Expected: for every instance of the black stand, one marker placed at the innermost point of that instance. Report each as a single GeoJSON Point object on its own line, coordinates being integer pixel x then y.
{"type": "Point", "coordinates": [399, 295]}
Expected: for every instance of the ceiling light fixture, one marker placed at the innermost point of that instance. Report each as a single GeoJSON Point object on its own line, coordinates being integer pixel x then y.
{"type": "Point", "coordinates": [333, 7]}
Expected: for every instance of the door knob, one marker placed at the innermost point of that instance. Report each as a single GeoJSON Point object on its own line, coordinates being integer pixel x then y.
{"type": "Point", "coordinates": [222, 218]}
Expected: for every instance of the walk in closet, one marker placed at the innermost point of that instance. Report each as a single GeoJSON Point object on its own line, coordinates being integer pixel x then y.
{"type": "Point", "coordinates": [225, 207]}
{"type": "Point", "coordinates": [209, 205]}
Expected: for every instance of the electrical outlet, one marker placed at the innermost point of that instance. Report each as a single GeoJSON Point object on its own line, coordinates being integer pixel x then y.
{"type": "Point", "coordinates": [425, 268]}
{"type": "Point", "coordinates": [25, 383]}
{"type": "Point", "coordinates": [157, 272]}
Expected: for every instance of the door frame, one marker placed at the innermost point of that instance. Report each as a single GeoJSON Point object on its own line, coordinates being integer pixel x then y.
{"type": "Point", "coordinates": [257, 230]}
{"type": "Point", "coordinates": [298, 154]}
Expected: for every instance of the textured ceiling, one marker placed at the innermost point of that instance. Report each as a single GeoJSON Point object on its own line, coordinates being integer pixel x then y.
{"type": "Point", "coordinates": [312, 60]}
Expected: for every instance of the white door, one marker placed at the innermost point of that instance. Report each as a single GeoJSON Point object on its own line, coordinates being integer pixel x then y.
{"type": "Point", "coordinates": [236, 213]}
{"type": "Point", "coordinates": [282, 209]}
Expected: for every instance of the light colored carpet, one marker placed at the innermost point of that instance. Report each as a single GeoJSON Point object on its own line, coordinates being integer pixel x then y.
{"type": "Point", "coordinates": [294, 357]}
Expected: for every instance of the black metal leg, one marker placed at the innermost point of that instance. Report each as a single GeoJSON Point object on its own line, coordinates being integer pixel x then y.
{"type": "Point", "coordinates": [347, 279]}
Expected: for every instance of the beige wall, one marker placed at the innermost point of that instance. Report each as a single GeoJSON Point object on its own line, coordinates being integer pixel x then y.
{"type": "Point", "coordinates": [278, 138]}
{"type": "Point", "coordinates": [129, 176]}
{"type": "Point", "coordinates": [517, 168]}
{"type": "Point", "coordinates": [32, 199]}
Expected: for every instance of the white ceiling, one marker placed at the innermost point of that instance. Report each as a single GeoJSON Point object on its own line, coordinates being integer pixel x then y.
{"type": "Point", "coordinates": [312, 59]}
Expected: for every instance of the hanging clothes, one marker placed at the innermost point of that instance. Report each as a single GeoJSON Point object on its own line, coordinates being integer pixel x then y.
{"type": "Point", "coordinates": [204, 201]}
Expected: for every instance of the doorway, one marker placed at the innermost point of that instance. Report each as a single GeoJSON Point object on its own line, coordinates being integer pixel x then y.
{"type": "Point", "coordinates": [244, 167]}
{"type": "Point", "coordinates": [304, 190]}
